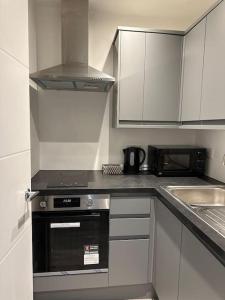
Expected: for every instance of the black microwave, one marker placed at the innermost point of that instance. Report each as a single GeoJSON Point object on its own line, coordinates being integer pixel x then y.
{"type": "Point", "coordinates": [176, 160]}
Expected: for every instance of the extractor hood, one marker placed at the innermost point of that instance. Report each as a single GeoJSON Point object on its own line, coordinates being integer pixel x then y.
{"type": "Point", "coordinates": [73, 76]}
{"type": "Point", "coordinates": [74, 73]}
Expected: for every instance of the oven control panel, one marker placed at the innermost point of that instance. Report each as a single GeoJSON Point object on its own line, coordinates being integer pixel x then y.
{"type": "Point", "coordinates": [71, 202]}
{"type": "Point", "coordinates": [64, 202]}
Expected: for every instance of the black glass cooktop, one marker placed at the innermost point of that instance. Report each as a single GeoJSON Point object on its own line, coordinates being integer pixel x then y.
{"type": "Point", "coordinates": [65, 180]}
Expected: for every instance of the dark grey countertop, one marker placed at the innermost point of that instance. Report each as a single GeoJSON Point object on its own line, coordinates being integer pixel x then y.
{"type": "Point", "coordinates": [98, 183]}
{"type": "Point", "coordinates": [150, 184]}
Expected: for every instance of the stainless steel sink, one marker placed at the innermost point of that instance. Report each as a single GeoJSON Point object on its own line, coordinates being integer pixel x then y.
{"type": "Point", "coordinates": [199, 196]}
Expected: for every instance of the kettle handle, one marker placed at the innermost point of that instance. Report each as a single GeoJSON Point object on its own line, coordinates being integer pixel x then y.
{"type": "Point", "coordinates": [144, 156]}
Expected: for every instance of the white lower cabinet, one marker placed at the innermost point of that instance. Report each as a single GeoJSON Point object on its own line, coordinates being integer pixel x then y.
{"type": "Point", "coordinates": [184, 268]}
{"type": "Point", "coordinates": [70, 282]}
{"type": "Point", "coordinates": [130, 206]}
{"type": "Point", "coordinates": [129, 227]}
{"type": "Point", "coordinates": [128, 262]}
{"type": "Point", "coordinates": [202, 276]}
{"type": "Point", "coordinates": [167, 253]}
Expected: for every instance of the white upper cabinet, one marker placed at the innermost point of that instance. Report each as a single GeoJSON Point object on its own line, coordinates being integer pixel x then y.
{"type": "Point", "coordinates": [213, 93]}
{"type": "Point", "coordinates": [192, 72]}
{"type": "Point", "coordinates": [132, 59]}
{"type": "Point", "coordinates": [162, 77]}
{"type": "Point", "coordinates": [148, 71]}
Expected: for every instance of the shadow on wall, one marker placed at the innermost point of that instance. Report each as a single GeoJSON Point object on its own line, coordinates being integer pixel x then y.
{"type": "Point", "coordinates": [34, 131]}
{"type": "Point", "coordinates": [34, 109]}
{"type": "Point", "coordinates": [67, 116]}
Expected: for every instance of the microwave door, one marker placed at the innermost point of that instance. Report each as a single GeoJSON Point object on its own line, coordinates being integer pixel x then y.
{"type": "Point", "coordinates": [176, 162]}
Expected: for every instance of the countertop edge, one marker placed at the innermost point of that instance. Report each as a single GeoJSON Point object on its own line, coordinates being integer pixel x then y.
{"type": "Point", "coordinates": [211, 239]}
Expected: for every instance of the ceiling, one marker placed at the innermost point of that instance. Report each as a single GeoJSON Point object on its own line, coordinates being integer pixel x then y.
{"type": "Point", "coordinates": [183, 12]}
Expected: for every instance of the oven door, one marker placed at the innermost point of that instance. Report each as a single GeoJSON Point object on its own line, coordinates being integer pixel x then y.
{"type": "Point", "coordinates": [175, 162]}
{"type": "Point", "coordinates": [70, 242]}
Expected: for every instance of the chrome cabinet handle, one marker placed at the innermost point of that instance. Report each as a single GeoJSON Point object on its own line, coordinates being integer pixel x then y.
{"type": "Point", "coordinates": [29, 196]}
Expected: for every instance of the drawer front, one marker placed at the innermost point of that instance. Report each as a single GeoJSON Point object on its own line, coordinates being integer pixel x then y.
{"type": "Point", "coordinates": [130, 206]}
{"type": "Point", "coordinates": [70, 282]}
{"type": "Point", "coordinates": [128, 262]}
{"type": "Point", "coordinates": [129, 227]}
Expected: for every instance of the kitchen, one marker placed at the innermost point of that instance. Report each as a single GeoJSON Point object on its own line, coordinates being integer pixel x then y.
{"type": "Point", "coordinates": [150, 241]}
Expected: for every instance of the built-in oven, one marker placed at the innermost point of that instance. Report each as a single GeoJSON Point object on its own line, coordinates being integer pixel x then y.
{"type": "Point", "coordinates": [70, 234]}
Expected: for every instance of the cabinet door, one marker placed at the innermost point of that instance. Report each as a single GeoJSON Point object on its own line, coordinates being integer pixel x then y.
{"type": "Point", "coordinates": [192, 72]}
{"type": "Point", "coordinates": [128, 262]}
{"type": "Point", "coordinates": [131, 81]}
{"type": "Point", "coordinates": [162, 77]}
{"type": "Point", "coordinates": [201, 275]}
{"type": "Point", "coordinates": [167, 253]}
{"type": "Point", "coordinates": [213, 94]}
{"type": "Point", "coordinates": [16, 280]}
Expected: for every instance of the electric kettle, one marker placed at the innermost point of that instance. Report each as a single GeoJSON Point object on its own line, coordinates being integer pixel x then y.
{"type": "Point", "coordinates": [133, 159]}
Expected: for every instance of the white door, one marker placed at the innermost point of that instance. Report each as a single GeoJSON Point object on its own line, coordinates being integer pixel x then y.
{"type": "Point", "coordinates": [15, 214]}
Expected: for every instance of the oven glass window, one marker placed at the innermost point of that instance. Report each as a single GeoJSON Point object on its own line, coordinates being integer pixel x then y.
{"type": "Point", "coordinates": [173, 162]}
{"type": "Point", "coordinates": [70, 242]}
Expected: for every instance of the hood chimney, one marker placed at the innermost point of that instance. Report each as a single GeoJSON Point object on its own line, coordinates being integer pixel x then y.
{"type": "Point", "coordinates": [74, 31]}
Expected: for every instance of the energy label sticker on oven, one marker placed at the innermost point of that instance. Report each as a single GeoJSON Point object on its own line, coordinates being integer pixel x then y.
{"type": "Point", "coordinates": [91, 255]}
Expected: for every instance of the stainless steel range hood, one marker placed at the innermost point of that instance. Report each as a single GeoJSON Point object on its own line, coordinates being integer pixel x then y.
{"type": "Point", "coordinates": [74, 73]}
{"type": "Point", "coordinates": [73, 76]}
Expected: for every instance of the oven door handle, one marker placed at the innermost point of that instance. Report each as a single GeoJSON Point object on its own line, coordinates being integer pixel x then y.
{"type": "Point", "coordinates": [65, 225]}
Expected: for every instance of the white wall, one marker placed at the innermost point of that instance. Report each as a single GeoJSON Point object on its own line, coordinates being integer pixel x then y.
{"type": "Point", "coordinates": [106, 15]}
{"type": "Point", "coordinates": [34, 131]}
{"type": "Point", "coordinates": [120, 138]}
{"type": "Point", "coordinates": [75, 129]}
{"type": "Point", "coordinates": [214, 140]}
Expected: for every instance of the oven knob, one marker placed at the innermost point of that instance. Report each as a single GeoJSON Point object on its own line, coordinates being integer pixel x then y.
{"type": "Point", "coordinates": [89, 203]}
{"type": "Point", "coordinates": [43, 204]}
